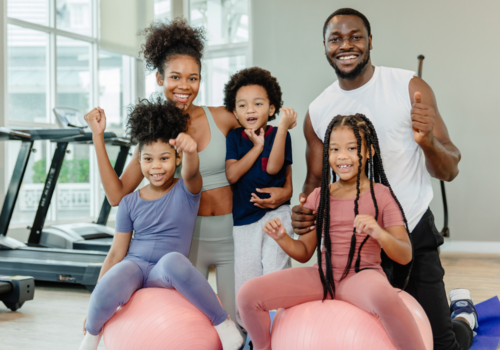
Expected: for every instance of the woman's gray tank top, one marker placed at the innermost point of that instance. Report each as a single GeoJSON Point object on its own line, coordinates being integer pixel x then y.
{"type": "Point", "coordinates": [212, 158]}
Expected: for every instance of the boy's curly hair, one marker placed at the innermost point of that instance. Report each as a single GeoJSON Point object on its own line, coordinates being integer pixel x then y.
{"type": "Point", "coordinates": [157, 120]}
{"type": "Point", "coordinates": [174, 38]}
{"type": "Point", "coordinates": [253, 76]}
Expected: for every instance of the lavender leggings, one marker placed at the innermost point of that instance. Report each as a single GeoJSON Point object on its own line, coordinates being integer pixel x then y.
{"type": "Point", "coordinates": [173, 270]}
{"type": "Point", "coordinates": [368, 290]}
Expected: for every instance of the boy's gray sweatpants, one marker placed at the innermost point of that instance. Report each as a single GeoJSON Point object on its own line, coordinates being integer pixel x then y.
{"type": "Point", "coordinates": [257, 254]}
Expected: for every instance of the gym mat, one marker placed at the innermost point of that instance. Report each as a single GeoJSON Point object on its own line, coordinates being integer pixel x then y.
{"type": "Point", "coordinates": [488, 333]}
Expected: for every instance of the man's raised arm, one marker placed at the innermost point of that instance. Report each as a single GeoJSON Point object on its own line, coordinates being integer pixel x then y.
{"type": "Point", "coordinates": [430, 132]}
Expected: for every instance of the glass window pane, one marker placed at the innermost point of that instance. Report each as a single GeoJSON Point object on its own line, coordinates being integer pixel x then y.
{"type": "Point", "coordinates": [226, 21]}
{"type": "Point", "coordinates": [162, 9]}
{"type": "Point", "coordinates": [73, 196]}
{"type": "Point", "coordinates": [73, 74]}
{"type": "Point", "coordinates": [153, 90]}
{"type": "Point", "coordinates": [217, 73]}
{"type": "Point", "coordinates": [74, 16]}
{"type": "Point", "coordinates": [114, 87]}
{"type": "Point", "coordinates": [33, 181]}
{"type": "Point", "coordinates": [27, 74]}
{"type": "Point", "coordinates": [35, 11]}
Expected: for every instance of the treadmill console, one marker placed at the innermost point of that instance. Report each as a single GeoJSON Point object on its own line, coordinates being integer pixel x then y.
{"type": "Point", "coordinates": [69, 118]}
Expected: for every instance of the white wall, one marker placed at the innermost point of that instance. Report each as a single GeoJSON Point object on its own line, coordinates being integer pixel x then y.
{"type": "Point", "coordinates": [460, 42]}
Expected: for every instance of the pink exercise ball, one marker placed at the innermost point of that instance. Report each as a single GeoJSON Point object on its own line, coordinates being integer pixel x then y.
{"type": "Point", "coordinates": [335, 324]}
{"type": "Point", "coordinates": [159, 318]}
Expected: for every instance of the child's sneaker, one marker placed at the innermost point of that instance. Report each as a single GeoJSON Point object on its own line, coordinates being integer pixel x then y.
{"type": "Point", "coordinates": [461, 305]}
{"type": "Point", "coordinates": [229, 335]}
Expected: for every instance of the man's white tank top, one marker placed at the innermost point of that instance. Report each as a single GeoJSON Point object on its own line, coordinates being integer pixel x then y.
{"type": "Point", "coordinates": [385, 100]}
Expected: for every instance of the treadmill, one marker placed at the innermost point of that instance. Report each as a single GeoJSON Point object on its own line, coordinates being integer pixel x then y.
{"type": "Point", "coordinates": [15, 290]}
{"type": "Point", "coordinates": [45, 264]}
{"type": "Point", "coordinates": [86, 236]}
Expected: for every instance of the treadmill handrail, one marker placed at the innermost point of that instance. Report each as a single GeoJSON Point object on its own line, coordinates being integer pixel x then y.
{"type": "Point", "coordinates": [15, 184]}
{"type": "Point", "coordinates": [15, 134]}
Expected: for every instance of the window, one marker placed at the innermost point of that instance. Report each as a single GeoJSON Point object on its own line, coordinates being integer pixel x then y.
{"type": "Point", "coordinates": [226, 23]}
{"type": "Point", "coordinates": [74, 16]}
{"type": "Point", "coordinates": [27, 74]}
{"type": "Point", "coordinates": [73, 74]}
{"type": "Point", "coordinates": [34, 11]}
{"type": "Point", "coordinates": [216, 73]}
{"type": "Point", "coordinates": [162, 9]}
{"type": "Point", "coordinates": [115, 79]}
{"type": "Point", "coordinates": [53, 59]}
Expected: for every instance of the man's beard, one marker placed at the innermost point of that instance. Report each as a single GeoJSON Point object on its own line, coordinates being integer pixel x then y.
{"type": "Point", "coordinates": [352, 74]}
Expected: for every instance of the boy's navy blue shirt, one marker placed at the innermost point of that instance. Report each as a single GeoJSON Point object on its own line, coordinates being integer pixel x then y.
{"type": "Point", "coordinates": [237, 145]}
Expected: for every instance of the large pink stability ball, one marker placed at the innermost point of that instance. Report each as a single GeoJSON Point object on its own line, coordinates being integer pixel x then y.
{"type": "Point", "coordinates": [159, 318]}
{"type": "Point", "coordinates": [335, 324]}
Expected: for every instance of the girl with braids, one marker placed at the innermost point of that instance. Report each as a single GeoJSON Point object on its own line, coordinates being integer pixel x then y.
{"type": "Point", "coordinates": [162, 216]}
{"type": "Point", "coordinates": [174, 49]}
{"type": "Point", "coordinates": [358, 215]}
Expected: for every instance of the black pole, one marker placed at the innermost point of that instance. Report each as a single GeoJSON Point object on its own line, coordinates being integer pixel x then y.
{"type": "Point", "coordinates": [445, 232]}
{"type": "Point", "coordinates": [119, 165]}
{"type": "Point", "coordinates": [48, 191]}
{"type": "Point", "coordinates": [15, 185]}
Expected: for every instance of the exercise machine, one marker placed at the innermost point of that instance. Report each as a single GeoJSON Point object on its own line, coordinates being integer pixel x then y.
{"type": "Point", "coordinates": [45, 264]}
{"type": "Point", "coordinates": [86, 236]}
{"type": "Point", "coordinates": [15, 290]}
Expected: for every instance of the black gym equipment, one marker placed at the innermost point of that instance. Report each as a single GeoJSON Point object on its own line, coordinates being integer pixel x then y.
{"type": "Point", "coordinates": [45, 264]}
{"type": "Point", "coordinates": [15, 290]}
{"type": "Point", "coordinates": [445, 232]}
{"type": "Point", "coordinates": [85, 236]}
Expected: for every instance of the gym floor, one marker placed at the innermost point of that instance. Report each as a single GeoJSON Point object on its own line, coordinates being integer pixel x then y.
{"type": "Point", "coordinates": [54, 319]}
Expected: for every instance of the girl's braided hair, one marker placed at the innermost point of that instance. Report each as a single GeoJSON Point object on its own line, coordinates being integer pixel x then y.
{"type": "Point", "coordinates": [363, 129]}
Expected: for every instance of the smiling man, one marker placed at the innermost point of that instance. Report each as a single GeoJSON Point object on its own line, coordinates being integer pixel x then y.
{"type": "Point", "coordinates": [415, 145]}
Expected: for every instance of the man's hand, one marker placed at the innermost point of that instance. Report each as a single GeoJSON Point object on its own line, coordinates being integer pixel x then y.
{"type": "Point", "coordinates": [184, 143]}
{"type": "Point", "coordinates": [274, 229]}
{"type": "Point", "coordinates": [422, 121]}
{"type": "Point", "coordinates": [278, 196]}
{"type": "Point", "coordinates": [258, 140]}
{"type": "Point", "coordinates": [96, 120]}
{"type": "Point", "coordinates": [368, 225]}
{"type": "Point", "coordinates": [303, 219]}
{"type": "Point", "coordinates": [288, 119]}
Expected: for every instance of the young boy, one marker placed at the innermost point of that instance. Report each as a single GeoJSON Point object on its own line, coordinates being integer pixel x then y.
{"type": "Point", "coordinates": [257, 156]}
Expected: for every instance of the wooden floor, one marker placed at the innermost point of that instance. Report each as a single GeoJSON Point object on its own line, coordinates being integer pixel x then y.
{"type": "Point", "coordinates": [54, 319]}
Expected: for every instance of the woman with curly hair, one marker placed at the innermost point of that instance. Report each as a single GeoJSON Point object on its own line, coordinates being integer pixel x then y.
{"type": "Point", "coordinates": [175, 50]}
{"type": "Point", "coordinates": [161, 215]}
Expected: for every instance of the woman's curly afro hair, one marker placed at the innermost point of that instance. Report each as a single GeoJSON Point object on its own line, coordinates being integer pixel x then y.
{"type": "Point", "coordinates": [166, 40]}
{"type": "Point", "coordinates": [253, 76]}
{"type": "Point", "coordinates": [157, 120]}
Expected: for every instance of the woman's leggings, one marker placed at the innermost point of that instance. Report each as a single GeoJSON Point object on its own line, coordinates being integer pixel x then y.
{"type": "Point", "coordinates": [213, 245]}
{"type": "Point", "coordinates": [369, 290]}
{"type": "Point", "coordinates": [173, 270]}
